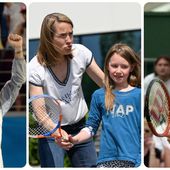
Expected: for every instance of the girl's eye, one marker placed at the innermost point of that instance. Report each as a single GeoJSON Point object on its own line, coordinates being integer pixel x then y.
{"type": "Point", "coordinates": [114, 65]}
{"type": "Point", "coordinates": [124, 66]}
{"type": "Point", "coordinates": [121, 66]}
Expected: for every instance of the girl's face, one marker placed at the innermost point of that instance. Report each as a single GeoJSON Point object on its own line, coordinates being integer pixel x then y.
{"type": "Point", "coordinates": [119, 70]}
{"type": "Point", "coordinates": [63, 38]}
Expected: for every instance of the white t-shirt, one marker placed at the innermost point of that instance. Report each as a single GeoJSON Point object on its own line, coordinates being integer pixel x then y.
{"type": "Point", "coordinates": [70, 91]}
{"type": "Point", "coordinates": [149, 78]}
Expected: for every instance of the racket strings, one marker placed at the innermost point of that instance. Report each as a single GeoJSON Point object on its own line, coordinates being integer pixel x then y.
{"type": "Point", "coordinates": [158, 108]}
{"type": "Point", "coordinates": [44, 115]}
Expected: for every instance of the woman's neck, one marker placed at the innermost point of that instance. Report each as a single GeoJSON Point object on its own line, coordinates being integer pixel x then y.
{"type": "Point", "coordinates": [61, 60]}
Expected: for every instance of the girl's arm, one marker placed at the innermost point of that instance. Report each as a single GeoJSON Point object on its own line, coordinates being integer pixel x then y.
{"type": "Point", "coordinates": [82, 136]}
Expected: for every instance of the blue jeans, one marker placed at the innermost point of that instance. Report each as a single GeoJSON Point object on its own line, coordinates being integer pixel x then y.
{"type": "Point", "coordinates": [81, 155]}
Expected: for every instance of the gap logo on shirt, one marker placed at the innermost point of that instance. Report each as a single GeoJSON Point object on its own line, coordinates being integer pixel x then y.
{"type": "Point", "coordinates": [121, 110]}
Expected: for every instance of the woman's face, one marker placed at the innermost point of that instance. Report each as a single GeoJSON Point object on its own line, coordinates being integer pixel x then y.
{"type": "Point", "coordinates": [162, 68]}
{"type": "Point", "coordinates": [63, 37]}
{"type": "Point", "coordinates": [119, 70]}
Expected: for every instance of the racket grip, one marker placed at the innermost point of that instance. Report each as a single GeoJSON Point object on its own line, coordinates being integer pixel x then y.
{"type": "Point", "coordinates": [60, 132]}
{"type": "Point", "coordinates": [60, 119]}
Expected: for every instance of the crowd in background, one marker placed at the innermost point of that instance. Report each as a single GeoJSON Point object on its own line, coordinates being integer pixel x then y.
{"type": "Point", "coordinates": [12, 20]}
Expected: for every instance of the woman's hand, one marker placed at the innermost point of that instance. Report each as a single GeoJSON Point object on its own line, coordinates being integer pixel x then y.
{"type": "Point", "coordinates": [63, 140]}
{"type": "Point", "coordinates": [16, 41]}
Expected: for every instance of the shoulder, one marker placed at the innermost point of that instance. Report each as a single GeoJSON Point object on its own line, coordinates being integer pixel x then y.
{"type": "Point", "coordinates": [149, 77]}
{"type": "Point", "coordinates": [80, 49]}
{"type": "Point", "coordinates": [131, 93]}
{"type": "Point", "coordinates": [136, 94]}
{"type": "Point", "coordinates": [34, 64]}
{"type": "Point", "coordinates": [33, 60]}
{"type": "Point", "coordinates": [98, 96]}
{"type": "Point", "coordinates": [35, 67]}
{"type": "Point", "coordinates": [168, 82]}
{"type": "Point", "coordinates": [99, 92]}
{"type": "Point", "coordinates": [137, 90]}
{"type": "Point", "coordinates": [82, 55]}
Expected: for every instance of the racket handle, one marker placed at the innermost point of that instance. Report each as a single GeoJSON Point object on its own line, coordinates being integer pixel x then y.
{"type": "Point", "coordinates": [60, 119]}
{"type": "Point", "coordinates": [60, 132]}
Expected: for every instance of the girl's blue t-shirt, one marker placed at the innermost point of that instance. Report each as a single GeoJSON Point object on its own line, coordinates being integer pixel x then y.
{"type": "Point", "coordinates": [121, 127]}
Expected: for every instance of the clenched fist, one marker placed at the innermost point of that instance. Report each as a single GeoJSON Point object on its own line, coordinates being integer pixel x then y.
{"type": "Point", "coordinates": [16, 42]}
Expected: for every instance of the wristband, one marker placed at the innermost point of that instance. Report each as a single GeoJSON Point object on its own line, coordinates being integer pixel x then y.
{"type": "Point", "coordinates": [89, 130]}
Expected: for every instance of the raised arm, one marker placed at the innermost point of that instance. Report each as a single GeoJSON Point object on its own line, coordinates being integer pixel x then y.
{"type": "Point", "coordinates": [11, 89]}
{"type": "Point", "coordinates": [16, 42]}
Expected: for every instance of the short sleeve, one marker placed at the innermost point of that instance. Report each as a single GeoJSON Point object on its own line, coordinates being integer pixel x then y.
{"type": "Point", "coordinates": [36, 72]}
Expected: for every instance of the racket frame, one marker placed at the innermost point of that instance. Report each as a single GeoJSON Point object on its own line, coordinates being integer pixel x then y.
{"type": "Point", "coordinates": [49, 134]}
{"type": "Point", "coordinates": [166, 133]}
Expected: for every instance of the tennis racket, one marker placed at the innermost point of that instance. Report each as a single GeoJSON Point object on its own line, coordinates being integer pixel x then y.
{"type": "Point", "coordinates": [44, 117]}
{"type": "Point", "coordinates": [157, 108]}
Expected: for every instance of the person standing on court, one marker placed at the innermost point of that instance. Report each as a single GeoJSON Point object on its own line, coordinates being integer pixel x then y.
{"type": "Point", "coordinates": [57, 70]}
{"type": "Point", "coordinates": [10, 91]}
{"type": "Point", "coordinates": [118, 106]}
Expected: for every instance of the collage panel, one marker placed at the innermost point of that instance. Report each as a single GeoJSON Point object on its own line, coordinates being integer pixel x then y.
{"type": "Point", "coordinates": [156, 85]}
{"type": "Point", "coordinates": [84, 84]}
{"type": "Point", "coordinates": [12, 84]}
{"type": "Point", "coordinates": [73, 87]}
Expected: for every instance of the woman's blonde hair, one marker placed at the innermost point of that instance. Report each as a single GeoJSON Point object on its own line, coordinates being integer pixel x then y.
{"type": "Point", "coordinates": [134, 78]}
{"type": "Point", "coordinates": [47, 54]}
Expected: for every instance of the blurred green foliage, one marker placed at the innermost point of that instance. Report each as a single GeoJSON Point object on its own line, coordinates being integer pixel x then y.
{"type": "Point", "coordinates": [33, 152]}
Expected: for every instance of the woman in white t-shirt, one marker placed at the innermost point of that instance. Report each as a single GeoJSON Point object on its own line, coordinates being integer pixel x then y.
{"type": "Point", "coordinates": [57, 70]}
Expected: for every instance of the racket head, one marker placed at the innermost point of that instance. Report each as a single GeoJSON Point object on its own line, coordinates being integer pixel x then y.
{"type": "Point", "coordinates": [157, 108]}
{"type": "Point", "coordinates": [44, 116]}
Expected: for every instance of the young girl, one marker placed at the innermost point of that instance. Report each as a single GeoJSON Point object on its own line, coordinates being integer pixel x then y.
{"type": "Point", "coordinates": [118, 107]}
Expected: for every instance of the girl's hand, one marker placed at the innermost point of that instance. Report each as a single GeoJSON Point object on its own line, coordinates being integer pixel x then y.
{"type": "Point", "coordinates": [73, 139]}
